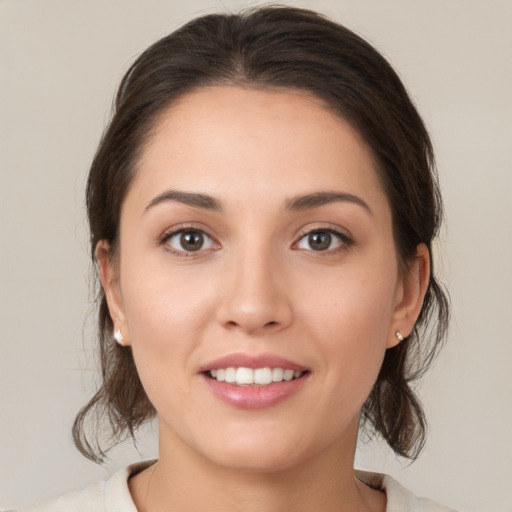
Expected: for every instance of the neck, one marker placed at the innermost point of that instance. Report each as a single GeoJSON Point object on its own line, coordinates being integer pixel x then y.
{"type": "Point", "coordinates": [183, 480]}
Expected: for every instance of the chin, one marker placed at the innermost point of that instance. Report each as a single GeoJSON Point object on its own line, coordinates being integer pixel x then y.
{"type": "Point", "coordinates": [257, 452]}
{"type": "Point", "coordinates": [261, 461]}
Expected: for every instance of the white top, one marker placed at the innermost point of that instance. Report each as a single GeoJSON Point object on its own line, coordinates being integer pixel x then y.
{"type": "Point", "coordinates": [113, 495]}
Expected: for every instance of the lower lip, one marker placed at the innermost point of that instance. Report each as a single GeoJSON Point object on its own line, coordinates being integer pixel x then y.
{"type": "Point", "coordinates": [254, 397]}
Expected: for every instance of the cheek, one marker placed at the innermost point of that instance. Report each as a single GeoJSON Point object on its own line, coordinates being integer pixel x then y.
{"type": "Point", "coordinates": [162, 302]}
{"type": "Point", "coordinates": [166, 312]}
{"type": "Point", "coordinates": [350, 317]}
{"type": "Point", "coordinates": [350, 305]}
{"type": "Point", "coordinates": [164, 326]}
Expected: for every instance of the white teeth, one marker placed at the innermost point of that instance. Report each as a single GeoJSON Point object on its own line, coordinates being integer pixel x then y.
{"type": "Point", "coordinates": [230, 375]}
{"type": "Point", "coordinates": [244, 376]}
{"type": "Point", "coordinates": [288, 374]}
{"type": "Point", "coordinates": [247, 376]}
{"type": "Point", "coordinates": [277, 374]}
{"type": "Point", "coordinates": [262, 376]}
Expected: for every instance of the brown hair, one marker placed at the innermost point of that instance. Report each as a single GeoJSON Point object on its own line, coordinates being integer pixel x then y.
{"type": "Point", "coordinates": [274, 47]}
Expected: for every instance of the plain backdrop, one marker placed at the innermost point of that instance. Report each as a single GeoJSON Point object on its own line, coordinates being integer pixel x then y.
{"type": "Point", "coordinates": [60, 61]}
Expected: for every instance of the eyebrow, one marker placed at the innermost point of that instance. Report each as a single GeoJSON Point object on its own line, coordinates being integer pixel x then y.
{"type": "Point", "coordinates": [298, 203]}
{"type": "Point", "coordinates": [318, 199]}
{"type": "Point", "coordinates": [191, 199]}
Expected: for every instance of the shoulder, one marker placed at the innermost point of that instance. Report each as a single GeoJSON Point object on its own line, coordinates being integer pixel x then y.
{"type": "Point", "coordinates": [399, 499]}
{"type": "Point", "coordinates": [88, 499]}
{"type": "Point", "coordinates": [112, 495]}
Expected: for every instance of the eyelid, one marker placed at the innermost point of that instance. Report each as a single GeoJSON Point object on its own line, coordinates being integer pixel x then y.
{"type": "Point", "coordinates": [346, 239]}
{"type": "Point", "coordinates": [337, 231]}
{"type": "Point", "coordinates": [182, 228]}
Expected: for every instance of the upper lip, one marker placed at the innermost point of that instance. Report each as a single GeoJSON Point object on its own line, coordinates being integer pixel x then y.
{"type": "Point", "coordinates": [253, 361]}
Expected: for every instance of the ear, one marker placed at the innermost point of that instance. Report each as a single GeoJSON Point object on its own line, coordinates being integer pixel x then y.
{"type": "Point", "coordinates": [411, 291]}
{"type": "Point", "coordinates": [109, 276]}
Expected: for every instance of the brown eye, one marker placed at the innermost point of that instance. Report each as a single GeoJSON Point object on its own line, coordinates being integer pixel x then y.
{"type": "Point", "coordinates": [319, 241]}
{"type": "Point", "coordinates": [191, 240]}
{"type": "Point", "coordinates": [322, 240]}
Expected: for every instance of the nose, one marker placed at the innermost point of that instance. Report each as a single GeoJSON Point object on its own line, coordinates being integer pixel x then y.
{"type": "Point", "coordinates": [255, 299]}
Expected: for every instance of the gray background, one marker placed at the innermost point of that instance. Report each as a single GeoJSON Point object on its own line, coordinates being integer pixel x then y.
{"type": "Point", "coordinates": [60, 62]}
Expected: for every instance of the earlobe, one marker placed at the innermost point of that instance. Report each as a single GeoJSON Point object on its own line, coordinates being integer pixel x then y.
{"type": "Point", "coordinates": [412, 293]}
{"type": "Point", "coordinates": [109, 277]}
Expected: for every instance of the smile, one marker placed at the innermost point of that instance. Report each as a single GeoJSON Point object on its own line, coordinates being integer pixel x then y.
{"type": "Point", "coordinates": [242, 376]}
{"type": "Point", "coordinates": [254, 381]}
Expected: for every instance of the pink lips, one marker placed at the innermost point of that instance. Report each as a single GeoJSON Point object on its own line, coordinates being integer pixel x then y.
{"type": "Point", "coordinates": [252, 361]}
{"type": "Point", "coordinates": [253, 397]}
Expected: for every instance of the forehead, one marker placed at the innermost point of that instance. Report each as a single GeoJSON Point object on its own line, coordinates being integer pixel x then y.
{"type": "Point", "coordinates": [244, 142]}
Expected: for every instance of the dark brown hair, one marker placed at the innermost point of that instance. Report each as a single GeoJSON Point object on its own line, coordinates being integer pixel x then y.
{"type": "Point", "coordinates": [274, 48]}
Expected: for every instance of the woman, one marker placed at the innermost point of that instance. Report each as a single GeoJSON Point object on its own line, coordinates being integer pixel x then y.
{"type": "Point", "coordinates": [262, 209]}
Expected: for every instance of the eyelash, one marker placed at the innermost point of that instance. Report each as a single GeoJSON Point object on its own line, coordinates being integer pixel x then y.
{"type": "Point", "coordinates": [345, 241]}
{"type": "Point", "coordinates": [164, 240]}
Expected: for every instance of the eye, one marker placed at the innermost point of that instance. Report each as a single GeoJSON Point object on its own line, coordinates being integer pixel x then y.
{"type": "Point", "coordinates": [188, 240]}
{"type": "Point", "coordinates": [322, 240]}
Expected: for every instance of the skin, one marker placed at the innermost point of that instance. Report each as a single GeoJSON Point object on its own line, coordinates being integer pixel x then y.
{"type": "Point", "coordinates": [257, 286]}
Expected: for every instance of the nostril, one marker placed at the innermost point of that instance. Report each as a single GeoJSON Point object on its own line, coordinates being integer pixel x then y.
{"type": "Point", "coordinates": [251, 317]}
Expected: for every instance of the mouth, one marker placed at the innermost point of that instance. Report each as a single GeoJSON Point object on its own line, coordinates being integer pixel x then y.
{"type": "Point", "coordinates": [242, 376]}
{"type": "Point", "coordinates": [250, 381]}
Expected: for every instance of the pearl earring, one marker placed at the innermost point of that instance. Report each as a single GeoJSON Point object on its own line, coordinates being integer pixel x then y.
{"type": "Point", "coordinates": [399, 336]}
{"type": "Point", "coordinates": [119, 337]}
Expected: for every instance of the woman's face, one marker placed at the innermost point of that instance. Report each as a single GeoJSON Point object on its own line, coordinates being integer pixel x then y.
{"type": "Point", "coordinates": [255, 244]}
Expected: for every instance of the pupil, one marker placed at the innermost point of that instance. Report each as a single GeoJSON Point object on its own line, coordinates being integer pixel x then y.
{"type": "Point", "coordinates": [319, 241]}
{"type": "Point", "coordinates": [191, 241]}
